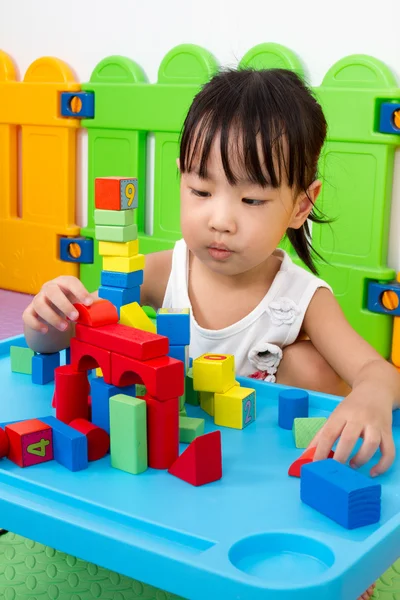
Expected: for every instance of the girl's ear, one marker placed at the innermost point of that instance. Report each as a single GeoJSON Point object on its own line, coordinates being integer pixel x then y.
{"type": "Point", "coordinates": [304, 206]}
{"type": "Point", "coordinates": [178, 163]}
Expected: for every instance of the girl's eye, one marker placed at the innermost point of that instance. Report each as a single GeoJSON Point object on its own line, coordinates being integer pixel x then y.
{"type": "Point", "coordinates": [200, 193]}
{"type": "Point", "coordinates": [252, 202]}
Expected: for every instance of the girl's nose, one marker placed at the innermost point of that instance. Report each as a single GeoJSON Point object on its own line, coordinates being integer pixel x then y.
{"type": "Point", "coordinates": [222, 219]}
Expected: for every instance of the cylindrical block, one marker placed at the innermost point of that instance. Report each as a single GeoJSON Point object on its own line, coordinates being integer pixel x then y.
{"type": "Point", "coordinates": [98, 439]}
{"type": "Point", "coordinates": [71, 394]}
{"type": "Point", "coordinates": [292, 404]}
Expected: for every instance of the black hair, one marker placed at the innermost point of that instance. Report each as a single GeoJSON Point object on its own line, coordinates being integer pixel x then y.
{"type": "Point", "coordinates": [274, 105]}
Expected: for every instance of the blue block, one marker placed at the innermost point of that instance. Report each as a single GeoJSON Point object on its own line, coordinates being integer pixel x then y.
{"type": "Point", "coordinates": [178, 352]}
{"type": "Point", "coordinates": [43, 366]}
{"type": "Point", "coordinates": [375, 292]}
{"type": "Point", "coordinates": [175, 326]}
{"type": "Point", "coordinates": [69, 445]}
{"type": "Point", "coordinates": [120, 296]}
{"type": "Point", "coordinates": [340, 493]}
{"type": "Point", "coordinates": [87, 108]}
{"type": "Point", "coordinates": [67, 356]}
{"type": "Point", "coordinates": [85, 246]}
{"type": "Point", "coordinates": [386, 117]}
{"type": "Point", "coordinates": [122, 280]}
{"type": "Point", "coordinates": [101, 393]}
{"type": "Point", "coordinates": [292, 404]}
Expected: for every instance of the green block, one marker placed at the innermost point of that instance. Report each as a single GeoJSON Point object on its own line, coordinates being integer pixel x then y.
{"type": "Point", "coordinates": [189, 429]}
{"type": "Point", "coordinates": [113, 217]}
{"type": "Point", "coordinates": [140, 390]}
{"type": "Point", "coordinates": [115, 233]}
{"type": "Point", "coordinates": [21, 359]}
{"type": "Point", "coordinates": [150, 312]}
{"type": "Point", "coordinates": [304, 429]}
{"type": "Point", "coordinates": [192, 397]}
{"type": "Point", "coordinates": [128, 434]}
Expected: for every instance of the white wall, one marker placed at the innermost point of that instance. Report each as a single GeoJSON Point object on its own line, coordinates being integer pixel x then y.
{"type": "Point", "coordinates": [82, 32]}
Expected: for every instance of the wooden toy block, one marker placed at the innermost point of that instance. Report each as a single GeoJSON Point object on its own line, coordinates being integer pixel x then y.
{"type": "Point", "coordinates": [190, 428]}
{"type": "Point", "coordinates": [175, 324]}
{"type": "Point", "coordinates": [207, 402]}
{"type": "Point", "coordinates": [124, 264]}
{"type": "Point", "coordinates": [70, 446]}
{"type": "Point", "coordinates": [293, 403]}
{"type": "Point", "coordinates": [201, 462]}
{"type": "Point", "coordinates": [214, 373]}
{"type": "Point", "coordinates": [101, 393]}
{"type": "Point", "coordinates": [304, 459]}
{"type": "Point", "coordinates": [162, 376]}
{"type": "Point", "coordinates": [341, 493]}
{"type": "Point", "coordinates": [85, 356]}
{"type": "Point", "coordinates": [162, 432]}
{"type": "Point", "coordinates": [116, 193]}
{"type": "Point", "coordinates": [236, 408]}
{"type": "Point", "coordinates": [119, 296]}
{"type": "Point", "coordinates": [71, 394]}
{"type": "Point", "coordinates": [43, 366]}
{"type": "Point", "coordinates": [79, 105]}
{"type": "Point", "coordinates": [133, 315]}
{"type": "Point", "coordinates": [140, 390]}
{"type": "Point", "coordinates": [125, 340]}
{"type": "Point", "coordinates": [98, 440]}
{"type": "Point", "coordinates": [101, 312]}
{"type": "Point", "coordinates": [126, 249]}
{"type": "Point", "coordinates": [30, 442]}
{"type": "Point", "coordinates": [21, 359]}
{"type": "Point", "coordinates": [76, 250]}
{"type": "Point", "coordinates": [115, 233]}
{"type": "Point", "coordinates": [128, 434]}
{"type": "Point", "coordinates": [122, 280]}
{"type": "Point", "coordinates": [4, 444]}
{"type": "Point", "coordinates": [180, 353]}
{"type": "Point", "coordinates": [113, 217]}
{"type": "Point", "coordinates": [304, 430]}
{"type": "Point", "coordinates": [99, 372]}
{"type": "Point", "coordinates": [191, 396]}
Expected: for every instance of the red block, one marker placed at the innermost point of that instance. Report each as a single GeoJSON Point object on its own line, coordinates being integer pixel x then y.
{"type": "Point", "coordinates": [31, 442]}
{"type": "Point", "coordinates": [125, 340]}
{"type": "Point", "coordinates": [108, 192]}
{"type": "Point", "coordinates": [4, 443]}
{"type": "Point", "coordinates": [201, 462]}
{"type": "Point", "coordinates": [98, 439]}
{"type": "Point", "coordinates": [306, 457]}
{"type": "Point", "coordinates": [163, 376]}
{"type": "Point", "coordinates": [85, 357]}
{"type": "Point", "coordinates": [162, 431]}
{"type": "Point", "coordinates": [101, 312]}
{"type": "Point", "coordinates": [71, 394]}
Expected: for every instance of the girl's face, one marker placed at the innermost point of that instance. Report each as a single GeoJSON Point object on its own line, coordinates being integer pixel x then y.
{"type": "Point", "coordinates": [246, 221]}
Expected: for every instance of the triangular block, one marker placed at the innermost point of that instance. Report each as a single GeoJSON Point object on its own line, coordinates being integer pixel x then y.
{"type": "Point", "coordinates": [306, 457]}
{"type": "Point", "coordinates": [201, 462]}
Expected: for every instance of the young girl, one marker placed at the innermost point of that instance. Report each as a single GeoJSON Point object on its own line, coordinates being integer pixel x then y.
{"type": "Point", "coordinates": [248, 163]}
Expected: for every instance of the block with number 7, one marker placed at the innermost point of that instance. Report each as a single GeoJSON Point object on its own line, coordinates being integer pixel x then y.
{"type": "Point", "coordinates": [31, 442]}
{"type": "Point", "coordinates": [236, 408]}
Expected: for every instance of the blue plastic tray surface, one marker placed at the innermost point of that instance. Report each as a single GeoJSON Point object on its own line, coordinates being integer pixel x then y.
{"type": "Point", "coordinates": [247, 536]}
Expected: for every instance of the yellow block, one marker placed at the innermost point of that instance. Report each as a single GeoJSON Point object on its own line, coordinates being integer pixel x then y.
{"type": "Point", "coordinates": [236, 408]}
{"type": "Point", "coordinates": [123, 264]}
{"type": "Point", "coordinates": [133, 315]}
{"type": "Point", "coordinates": [99, 372]}
{"type": "Point", "coordinates": [207, 402]}
{"type": "Point", "coordinates": [125, 249]}
{"type": "Point", "coordinates": [214, 373]}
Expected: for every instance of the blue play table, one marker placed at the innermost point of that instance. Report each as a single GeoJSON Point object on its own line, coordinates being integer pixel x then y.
{"type": "Point", "coordinates": [245, 537]}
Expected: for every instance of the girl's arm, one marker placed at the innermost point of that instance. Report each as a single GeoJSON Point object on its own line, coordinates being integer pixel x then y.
{"type": "Point", "coordinates": [367, 411]}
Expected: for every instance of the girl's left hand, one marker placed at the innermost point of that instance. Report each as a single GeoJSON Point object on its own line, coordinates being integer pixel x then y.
{"type": "Point", "coordinates": [367, 413]}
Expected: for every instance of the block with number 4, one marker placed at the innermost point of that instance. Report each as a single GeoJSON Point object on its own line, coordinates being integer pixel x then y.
{"type": "Point", "coordinates": [31, 442]}
{"type": "Point", "coordinates": [236, 408]}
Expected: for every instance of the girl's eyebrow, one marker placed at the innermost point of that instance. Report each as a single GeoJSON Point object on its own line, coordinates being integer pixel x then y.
{"type": "Point", "coordinates": [240, 180]}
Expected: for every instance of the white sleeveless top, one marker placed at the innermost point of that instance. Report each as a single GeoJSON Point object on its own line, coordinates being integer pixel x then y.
{"type": "Point", "coordinates": [257, 340]}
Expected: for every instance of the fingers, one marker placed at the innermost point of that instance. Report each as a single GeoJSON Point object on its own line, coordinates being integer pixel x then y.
{"type": "Point", "coordinates": [49, 312]}
{"type": "Point", "coordinates": [388, 453]}
{"type": "Point", "coordinates": [74, 289]}
{"type": "Point", "coordinates": [372, 439]}
{"type": "Point", "coordinates": [348, 439]}
{"type": "Point", "coordinates": [32, 320]}
{"type": "Point", "coordinates": [327, 436]}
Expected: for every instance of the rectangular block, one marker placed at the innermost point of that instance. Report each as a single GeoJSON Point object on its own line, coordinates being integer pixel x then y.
{"type": "Point", "coordinates": [128, 439]}
{"type": "Point", "coordinates": [113, 217]}
{"type": "Point", "coordinates": [43, 366]}
{"type": "Point", "coordinates": [189, 429]}
{"type": "Point", "coordinates": [119, 296]}
{"type": "Point", "coordinates": [124, 265]}
{"type": "Point", "coordinates": [115, 233]}
{"type": "Point", "coordinates": [21, 359]}
{"type": "Point", "coordinates": [175, 324]}
{"type": "Point", "coordinates": [31, 442]}
{"type": "Point", "coordinates": [116, 193]}
{"type": "Point", "coordinates": [207, 402]}
{"type": "Point", "coordinates": [121, 280]}
{"type": "Point", "coordinates": [101, 393]}
{"type": "Point", "coordinates": [180, 353]}
{"type": "Point", "coordinates": [125, 249]}
{"type": "Point", "coordinates": [191, 396]}
{"type": "Point", "coordinates": [135, 343]}
{"type": "Point", "coordinates": [70, 446]}
{"type": "Point", "coordinates": [340, 493]}
{"type": "Point", "coordinates": [305, 429]}
{"type": "Point", "coordinates": [162, 432]}
{"type": "Point", "coordinates": [236, 408]}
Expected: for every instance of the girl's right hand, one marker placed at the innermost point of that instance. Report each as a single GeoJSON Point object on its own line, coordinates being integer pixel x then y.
{"type": "Point", "coordinates": [54, 303]}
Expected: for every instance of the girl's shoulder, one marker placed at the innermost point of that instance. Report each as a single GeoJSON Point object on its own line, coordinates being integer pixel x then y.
{"type": "Point", "coordinates": [156, 274]}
